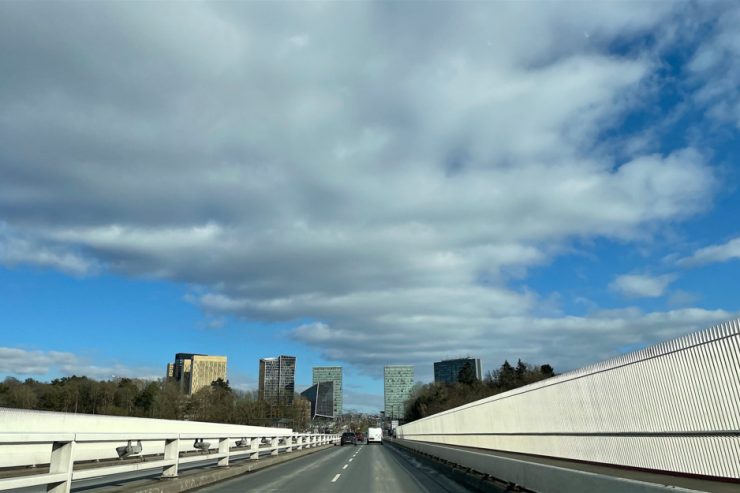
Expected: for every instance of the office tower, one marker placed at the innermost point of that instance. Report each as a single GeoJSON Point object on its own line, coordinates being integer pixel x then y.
{"type": "Point", "coordinates": [331, 374]}
{"type": "Point", "coordinates": [321, 396]}
{"type": "Point", "coordinates": [397, 383]}
{"type": "Point", "coordinates": [277, 380]}
{"type": "Point", "coordinates": [448, 371]}
{"type": "Point", "coordinates": [195, 371]}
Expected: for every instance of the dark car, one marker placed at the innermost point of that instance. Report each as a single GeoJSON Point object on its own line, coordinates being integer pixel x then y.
{"type": "Point", "coordinates": [348, 437]}
{"type": "Point", "coordinates": [360, 437]}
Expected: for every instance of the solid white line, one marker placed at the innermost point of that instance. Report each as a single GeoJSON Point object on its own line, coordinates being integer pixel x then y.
{"type": "Point", "coordinates": [345, 466]}
{"type": "Point", "coordinates": [335, 478]}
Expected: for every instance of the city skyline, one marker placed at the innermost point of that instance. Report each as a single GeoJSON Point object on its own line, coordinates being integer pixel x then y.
{"type": "Point", "coordinates": [363, 184]}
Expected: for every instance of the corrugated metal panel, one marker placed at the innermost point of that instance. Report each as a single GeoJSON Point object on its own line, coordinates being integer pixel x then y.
{"type": "Point", "coordinates": [673, 407]}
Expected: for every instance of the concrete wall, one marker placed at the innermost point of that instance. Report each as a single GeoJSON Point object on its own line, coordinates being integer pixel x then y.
{"type": "Point", "coordinates": [674, 407]}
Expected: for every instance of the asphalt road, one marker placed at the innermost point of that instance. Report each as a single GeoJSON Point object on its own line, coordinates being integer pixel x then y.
{"type": "Point", "coordinates": [357, 469]}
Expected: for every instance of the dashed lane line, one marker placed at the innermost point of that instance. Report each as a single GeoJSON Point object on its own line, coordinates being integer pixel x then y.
{"type": "Point", "coordinates": [345, 466]}
{"type": "Point", "coordinates": [335, 478]}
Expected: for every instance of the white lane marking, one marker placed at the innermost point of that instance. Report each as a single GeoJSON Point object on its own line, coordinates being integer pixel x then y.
{"type": "Point", "coordinates": [335, 478]}
{"type": "Point", "coordinates": [345, 466]}
{"type": "Point", "coordinates": [350, 459]}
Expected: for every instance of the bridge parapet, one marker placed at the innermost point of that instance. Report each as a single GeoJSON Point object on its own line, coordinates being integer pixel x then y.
{"type": "Point", "coordinates": [672, 407]}
{"type": "Point", "coordinates": [164, 444]}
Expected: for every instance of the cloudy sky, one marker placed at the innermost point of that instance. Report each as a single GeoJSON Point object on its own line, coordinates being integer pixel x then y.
{"type": "Point", "coordinates": [363, 183]}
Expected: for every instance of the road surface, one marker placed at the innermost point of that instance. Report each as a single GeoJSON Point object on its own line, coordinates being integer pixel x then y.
{"type": "Point", "coordinates": [357, 469]}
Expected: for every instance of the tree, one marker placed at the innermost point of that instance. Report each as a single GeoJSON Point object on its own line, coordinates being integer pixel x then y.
{"type": "Point", "coordinates": [125, 397]}
{"type": "Point", "coordinates": [547, 371]}
{"type": "Point", "coordinates": [432, 398]}
{"type": "Point", "coordinates": [170, 402]}
{"type": "Point", "coordinates": [146, 400]}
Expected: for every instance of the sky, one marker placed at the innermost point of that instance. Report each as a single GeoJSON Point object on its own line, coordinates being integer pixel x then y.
{"type": "Point", "coordinates": [363, 183]}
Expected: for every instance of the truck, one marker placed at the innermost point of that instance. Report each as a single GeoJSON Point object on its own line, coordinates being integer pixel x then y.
{"type": "Point", "coordinates": [375, 435]}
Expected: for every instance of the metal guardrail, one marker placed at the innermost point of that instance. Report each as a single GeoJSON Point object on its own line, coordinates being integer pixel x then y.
{"type": "Point", "coordinates": [673, 407]}
{"type": "Point", "coordinates": [211, 445]}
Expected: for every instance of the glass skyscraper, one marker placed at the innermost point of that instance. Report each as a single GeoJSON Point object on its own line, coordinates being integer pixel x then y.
{"type": "Point", "coordinates": [277, 380]}
{"type": "Point", "coordinates": [321, 396]}
{"type": "Point", "coordinates": [331, 374]}
{"type": "Point", "coordinates": [397, 383]}
{"type": "Point", "coordinates": [448, 371]}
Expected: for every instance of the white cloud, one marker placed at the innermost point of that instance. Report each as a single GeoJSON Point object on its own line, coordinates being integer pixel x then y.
{"type": "Point", "coordinates": [18, 249]}
{"type": "Point", "coordinates": [565, 342]}
{"type": "Point", "coordinates": [341, 164]}
{"type": "Point", "coordinates": [51, 364]}
{"type": "Point", "coordinates": [642, 286]}
{"type": "Point", "coordinates": [713, 253]}
{"type": "Point", "coordinates": [715, 67]}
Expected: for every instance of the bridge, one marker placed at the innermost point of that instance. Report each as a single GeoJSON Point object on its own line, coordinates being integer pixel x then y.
{"type": "Point", "coordinates": [651, 420]}
{"type": "Point", "coordinates": [665, 418]}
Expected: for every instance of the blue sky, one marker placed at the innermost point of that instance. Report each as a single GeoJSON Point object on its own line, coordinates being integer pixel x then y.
{"type": "Point", "coordinates": [363, 184]}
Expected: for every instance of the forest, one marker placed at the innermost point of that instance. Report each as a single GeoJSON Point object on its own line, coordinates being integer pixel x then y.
{"type": "Point", "coordinates": [151, 399]}
{"type": "Point", "coordinates": [432, 398]}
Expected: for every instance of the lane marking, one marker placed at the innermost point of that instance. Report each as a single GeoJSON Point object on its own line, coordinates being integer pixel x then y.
{"type": "Point", "coordinates": [335, 478]}
{"type": "Point", "coordinates": [350, 459]}
{"type": "Point", "coordinates": [345, 466]}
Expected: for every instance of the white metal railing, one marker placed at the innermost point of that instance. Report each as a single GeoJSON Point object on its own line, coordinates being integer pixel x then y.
{"type": "Point", "coordinates": [166, 451]}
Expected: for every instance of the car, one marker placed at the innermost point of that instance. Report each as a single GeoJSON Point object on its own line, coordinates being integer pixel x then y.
{"type": "Point", "coordinates": [360, 437]}
{"type": "Point", "coordinates": [348, 437]}
{"type": "Point", "coordinates": [374, 435]}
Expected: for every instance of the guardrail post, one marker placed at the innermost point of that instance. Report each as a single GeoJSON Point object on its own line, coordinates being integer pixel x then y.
{"type": "Point", "coordinates": [223, 448]}
{"type": "Point", "coordinates": [274, 442]}
{"type": "Point", "coordinates": [254, 447]}
{"type": "Point", "coordinates": [289, 443]}
{"type": "Point", "coordinates": [62, 460]}
{"type": "Point", "coordinates": [171, 452]}
{"type": "Point", "coordinates": [299, 442]}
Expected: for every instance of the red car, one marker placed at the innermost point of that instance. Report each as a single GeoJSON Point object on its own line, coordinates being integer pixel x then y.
{"type": "Point", "coordinates": [360, 437]}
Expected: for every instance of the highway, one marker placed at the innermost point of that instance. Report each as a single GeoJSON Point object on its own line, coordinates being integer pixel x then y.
{"type": "Point", "coordinates": [362, 468]}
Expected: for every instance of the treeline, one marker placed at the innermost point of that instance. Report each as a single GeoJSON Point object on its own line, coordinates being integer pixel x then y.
{"type": "Point", "coordinates": [151, 399]}
{"type": "Point", "coordinates": [433, 398]}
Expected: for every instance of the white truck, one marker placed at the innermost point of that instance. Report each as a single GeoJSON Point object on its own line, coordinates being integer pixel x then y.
{"type": "Point", "coordinates": [375, 435]}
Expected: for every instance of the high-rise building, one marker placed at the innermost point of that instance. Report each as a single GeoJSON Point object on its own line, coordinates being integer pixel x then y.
{"type": "Point", "coordinates": [331, 374]}
{"type": "Point", "coordinates": [448, 371]}
{"type": "Point", "coordinates": [321, 396]}
{"type": "Point", "coordinates": [398, 381]}
{"type": "Point", "coordinates": [195, 371]}
{"type": "Point", "coordinates": [277, 380]}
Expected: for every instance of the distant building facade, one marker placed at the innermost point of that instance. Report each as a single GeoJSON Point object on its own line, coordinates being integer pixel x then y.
{"type": "Point", "coordinates": [277, 380]}
{"type": "Point", "coordinates": [448, 371]}
{"type": "Point", "coordinates": [331, 374]}
{"type": "Point", "coordinates": [398, 380]}
{"type": "Point", "coordinates": [321, 397]}
{"type": "Point", "coordinates": [193, 372]}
